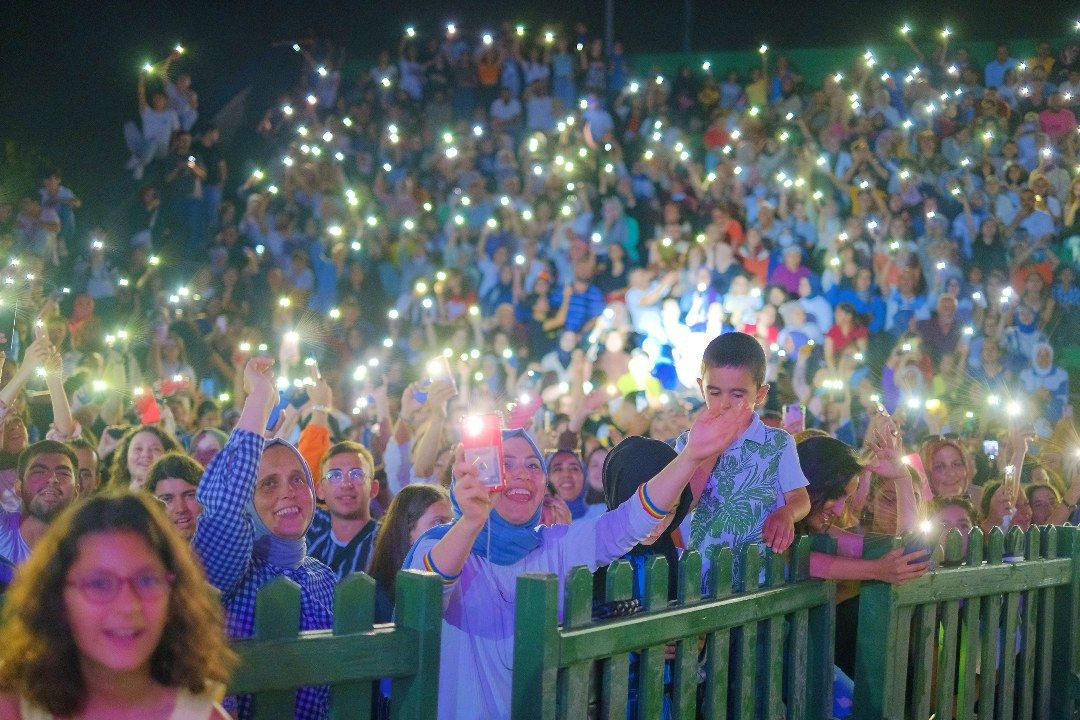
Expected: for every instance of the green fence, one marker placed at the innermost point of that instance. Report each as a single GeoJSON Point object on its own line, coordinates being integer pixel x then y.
{"type": "Point", "coordinates": [992, 635]}
{"type": "Point", "coordinates": [350, 657]}
{"type": "Point", "coordinates": [766, 651]}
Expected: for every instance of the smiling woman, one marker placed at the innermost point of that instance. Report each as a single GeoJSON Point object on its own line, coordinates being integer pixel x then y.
{"type": "Point", "coordinates": [258, 499]}
{"type": "Point", "coordinates": [495, 537]}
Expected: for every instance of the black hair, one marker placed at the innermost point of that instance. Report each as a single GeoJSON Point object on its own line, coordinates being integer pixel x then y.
{"type": "Point", "coordinates": [174, 465]}
{"type": "Point", "coordinates": [736, 350]}
{"type": "Point", "coordinates": [828, 464]}
{"type": "Point", "coordinates": [44, 447]}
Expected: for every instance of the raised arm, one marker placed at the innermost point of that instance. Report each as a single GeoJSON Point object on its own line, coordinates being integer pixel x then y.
{"type": "Point", "coordinates": [224, 536]}
{"type": "Point", "coordinates": [34, 357]}
{"type": "Point", "coordinates": [426, 450]}
{"type": "Point", "coordinates": [64, 426]}
{"type": "Point", "coordinates": [884, 440]}
{"type": "Point", "coordinates": [141, 92]}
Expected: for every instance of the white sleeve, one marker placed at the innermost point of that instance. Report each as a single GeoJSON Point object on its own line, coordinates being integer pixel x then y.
{"type": "Point", "coordinates": [398, 467]}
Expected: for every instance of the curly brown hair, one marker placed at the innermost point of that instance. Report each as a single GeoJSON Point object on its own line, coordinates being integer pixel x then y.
{"type": "Point", "coordinates": [119, 475]}
{"type": "Point", "coordinates": [39, 659]}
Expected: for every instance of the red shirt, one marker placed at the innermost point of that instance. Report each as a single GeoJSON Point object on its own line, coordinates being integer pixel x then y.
{"type": "Point", "coordinates": [841, 341]}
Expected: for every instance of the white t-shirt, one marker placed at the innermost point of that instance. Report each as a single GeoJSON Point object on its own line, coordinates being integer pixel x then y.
{"type": "Point", "coordinates": [158, 128]}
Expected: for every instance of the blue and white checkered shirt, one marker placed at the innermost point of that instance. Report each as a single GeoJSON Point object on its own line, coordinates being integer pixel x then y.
{"type": "Point", "coordinates": [224, 539]}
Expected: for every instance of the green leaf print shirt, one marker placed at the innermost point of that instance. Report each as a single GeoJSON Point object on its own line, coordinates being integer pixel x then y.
{"type": "Point", "coordinates": [747, 483]}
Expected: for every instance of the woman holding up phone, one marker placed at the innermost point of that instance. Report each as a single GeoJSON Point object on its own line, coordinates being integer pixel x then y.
{"type": "Point", "coordinates": [494, 539]}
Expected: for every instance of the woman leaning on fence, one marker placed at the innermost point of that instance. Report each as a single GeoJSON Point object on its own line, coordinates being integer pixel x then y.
{"type": "Point", "coordinates": [834, 471]}
{"type": "Point", "coordinates": [495, 538]}
{"type": "Point", "coordinates": [258, 500]}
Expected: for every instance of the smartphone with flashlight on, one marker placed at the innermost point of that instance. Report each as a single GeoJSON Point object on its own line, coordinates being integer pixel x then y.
{"type": "Point", "coordinates": [481, 439]}
{"type": "Point", "coordinates": [922, 542]}
{"type": "Point", "coordinates": [438, 369]}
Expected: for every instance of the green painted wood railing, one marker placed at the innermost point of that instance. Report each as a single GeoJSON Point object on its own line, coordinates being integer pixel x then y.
{"type": "Point", "coordinates": [351, 656]}
{"type": "Point", "coordinates": [991, 635]}
{"type": "Point", "coordinates": [765, 651]}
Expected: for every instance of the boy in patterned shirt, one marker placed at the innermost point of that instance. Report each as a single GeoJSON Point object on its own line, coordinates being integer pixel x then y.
{"type": "Point", "coordinates": [756, 490]}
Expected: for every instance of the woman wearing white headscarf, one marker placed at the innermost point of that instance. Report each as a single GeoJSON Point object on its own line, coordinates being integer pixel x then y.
{"type": "Point", "coordinates": [1046, 384]}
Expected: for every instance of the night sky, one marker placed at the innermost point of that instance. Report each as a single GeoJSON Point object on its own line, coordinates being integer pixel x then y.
{"type": "Point", "coordinates": [68, 78]}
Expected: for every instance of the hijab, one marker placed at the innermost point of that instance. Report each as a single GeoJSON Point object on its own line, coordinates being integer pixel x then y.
{"type": "Point", "coordinates": [630, 464]}
{"type": "Point", "coordinates": [274, 550]}
{"type": "Point", "coordinates": [1040, 370]}
{"type": "Point", "coordinates": [500, 542]}
{"type": "Point", "coordinates": [578, 506]}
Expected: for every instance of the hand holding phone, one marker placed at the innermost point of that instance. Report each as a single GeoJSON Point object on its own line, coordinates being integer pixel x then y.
{"type": "Point", "coordinates": [284, 397]}
{"type": "Point", "coordinates": [473, 497]}
{"type": "Point", "coordinates": [483, 449]}
{"type": "Point", "coordinates": [794, 417]}
{"type": "Point", "coordinates": [437, 369]}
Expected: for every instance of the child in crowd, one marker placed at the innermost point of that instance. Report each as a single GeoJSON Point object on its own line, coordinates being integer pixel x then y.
{"type": "Point", "coordinates": [755, 491]}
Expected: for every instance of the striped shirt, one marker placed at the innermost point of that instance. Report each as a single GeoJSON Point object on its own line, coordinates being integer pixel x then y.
{"type": "Point", "coordinates": [343, 558]}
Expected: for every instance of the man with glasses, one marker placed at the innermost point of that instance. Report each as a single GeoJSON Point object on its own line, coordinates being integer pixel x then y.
{"type": "Point", "coordinates": [47, 483]}
{"type": "Point", "coordinates": [342, 535]}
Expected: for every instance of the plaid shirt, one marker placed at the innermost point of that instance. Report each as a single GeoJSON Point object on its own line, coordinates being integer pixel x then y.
{"type": "Point", "coordinates": [224, 539]}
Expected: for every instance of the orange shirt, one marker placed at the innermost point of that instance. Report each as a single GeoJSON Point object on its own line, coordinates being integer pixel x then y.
{"type": "Point", "coordinates": [758, 267]}
{"type": "Point", "coordinates": [488, 73]}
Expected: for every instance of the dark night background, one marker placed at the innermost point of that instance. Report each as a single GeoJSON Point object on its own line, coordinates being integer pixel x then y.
{"type": "Point", "coordinates": [69, 68]}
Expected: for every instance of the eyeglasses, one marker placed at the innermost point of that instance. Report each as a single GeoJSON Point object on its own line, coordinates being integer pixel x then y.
{"type": "Point", "coordinates": [337, 476]}
{"type": "Point", "coordinates": [940, 436]}
{"type": "Point", "coordinates": [103, 587]}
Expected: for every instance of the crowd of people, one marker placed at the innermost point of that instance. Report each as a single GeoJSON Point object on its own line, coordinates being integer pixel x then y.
{"type": "Point", "coordinates": [720, 307]}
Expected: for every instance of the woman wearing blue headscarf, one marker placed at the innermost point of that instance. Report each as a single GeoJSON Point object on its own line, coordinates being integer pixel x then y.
{"type": "Point", "coordinates": [258, 500]}
{"type": "Point", "coordinates": [494, 539]}
{"type": "Point", "coordinates": [566, 473]}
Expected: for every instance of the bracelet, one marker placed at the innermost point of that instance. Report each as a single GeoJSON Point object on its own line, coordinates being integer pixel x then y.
{"type": "Point", "coordinates": [320, 408]}
{"type": "Point", "coordinates": [430, 566]}
{"type": "Point", "coordinates": [650, 507]}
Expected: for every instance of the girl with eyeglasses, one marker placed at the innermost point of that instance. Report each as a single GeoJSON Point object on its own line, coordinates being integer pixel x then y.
{"type": "Point", "coordinates": [110, 618]}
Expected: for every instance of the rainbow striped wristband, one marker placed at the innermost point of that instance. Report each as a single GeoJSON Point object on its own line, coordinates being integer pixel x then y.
{"type": "Point", "coordinates": [650, 507]}
{"type": "Point", "coordinates": [430, 566]}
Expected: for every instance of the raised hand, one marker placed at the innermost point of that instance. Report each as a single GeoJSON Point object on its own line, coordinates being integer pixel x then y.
{"type": "Point", "coordinates": [715, 430]}
{"type": "Point", "coordinates": [884, 440]}
{"type": "Point", "coordinates": [37, 353]}
{"type": "Point", "coordinates": [320, 393]}
{"type": "Point", "coordinates": [439, 394]}
{"type": "Point", "coordinates": [261, 392]}
{"type": "Point", "coordinates": [410, 406]}
{"type": "Point", "coordinates": [258, 375]}
{"type": "Point", "coordinates": [473, 497]}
